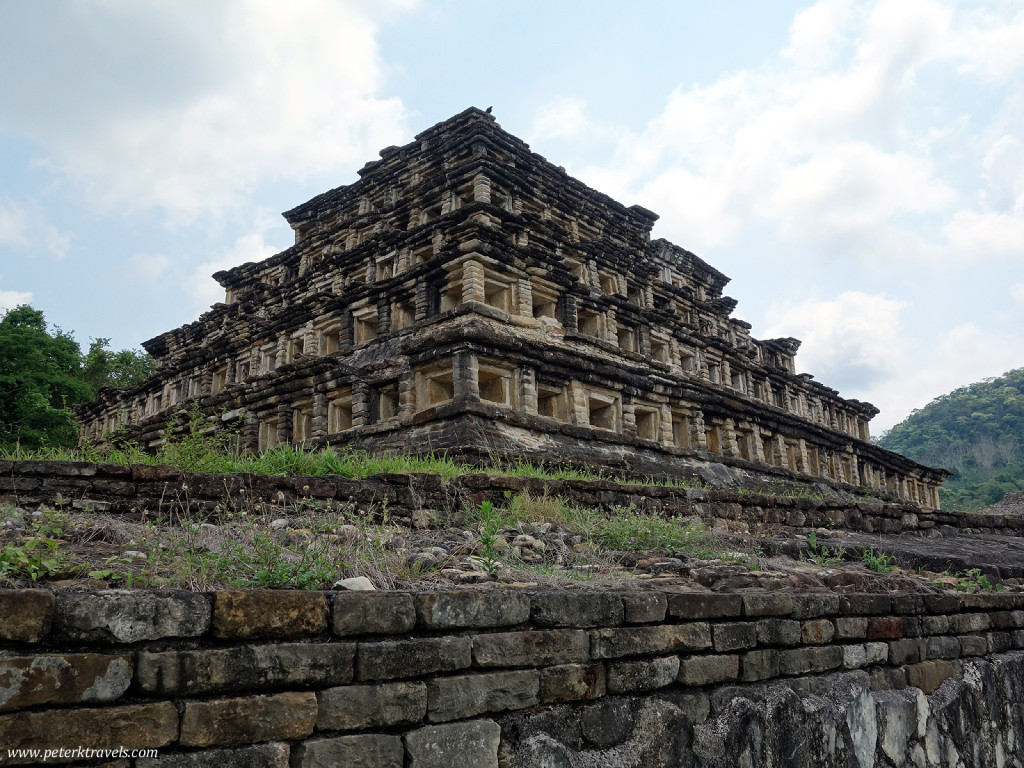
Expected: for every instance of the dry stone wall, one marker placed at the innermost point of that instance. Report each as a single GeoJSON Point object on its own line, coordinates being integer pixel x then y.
{"type": "Point", "coordinates": [512, 678]}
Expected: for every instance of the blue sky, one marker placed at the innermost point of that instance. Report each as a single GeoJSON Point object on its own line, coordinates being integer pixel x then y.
{"type": "Point", "coordinates": [857, 168]}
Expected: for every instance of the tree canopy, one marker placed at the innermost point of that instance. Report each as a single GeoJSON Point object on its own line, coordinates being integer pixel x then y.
{"type": "Point", "coordinates": [977, 432]}
{"type": "Point", "coordinates": [43, 372]}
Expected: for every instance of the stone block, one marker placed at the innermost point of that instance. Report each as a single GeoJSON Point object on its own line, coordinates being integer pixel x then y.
{"type": "Point", "coordinates": [273, 755]}
{"type": "Point", "coordinates": [642, 675]}
{"type": "Point", "coordinates": [942, 603]}
{"type": "Point", "coordinates": [778, 632]}
{"type": "Point", "coordinates": [245, 668]}
{"type": "Point", "coordinates": [572, 682]}
{"type": "Point", "coordinates": [907, 651]}
{"type": "Point", "coordinates": [888, 678]}
{"type": "Point", "coordinates": [757, 604]}
{"type": "Point", "coordinates": [998, 642]}
{"type": "Point", "coordinates": [990, 601]}
{"type": "Point", "coordinates": [132, 727]}
{"type": "Point", "coordinates": [1017, 618]}
{"type": "Point", "coordinates": [372, 613]}
{"type": "Point", "coordinates": [704, 605]}
{"type": "Point", "coordinates": [453, 610]}
{"type": "Point", "coordinates": [851, 628]}
{"type": "Point", "coordinates": [854, 656]}
{"type": "Point", "coordinates": [357, 707]}
{"type": "Point", "coordinates": [531, 648]}
{"type": "Point", "coordinates": [929, 675]}
{"type": "Point", "coordinates": [123, 616]}
{"type": "Point", "coordinates": [817, 632]}
{"type": "Point", "coordinates": [877, 652]}
{"type": "Point", "coordinates": [73, 678]}
{"type": "Point", "coordinates": [813, 605]}
{"type": "Point", "coordinates": [462, 696]}
{"type": "Point", "coordinates": [637, 641]}
{"type": "Point", "coordinates": [733, 636]}
{"type": "Point", "coordinates": [390, 659]}
{"type": "Point", "coordinates": [268, 615]}
{"type": "Point", "coordinates": [28, 614]}
{"type": "Point", "coordinates": [801, 661]}
{"type": "Point", "coordinates": [907, 604]}
{"type": "Point", "coordinates": [759, 665]}
{"type": "Point", "coordinates": [644, 607]}
{"type": "Point", "coordinates": [707, 670]}
{"type": "Point", "coordinates": [576, 609]}
{"type": "Point", "coordinates": [222, 722]}
{"type": "Point", "coordinates": [473, 743]}
{"type": "Point", "coordinates": [884, 628]}
{"type": "Point", "coordinates": [864, 605]}
{"type": "Point", "coordinates": [913, 626]}
{"type": "Point", "coordinates": [942, 647]}
{"type": "Point", "coordinates": [973, 645]}
{"type": "Point", "coordinates": [935, 625]}
{"type": "Point", "coordinates": [963, 623]}
{"type": "Point", "coordinates": [370, 750]}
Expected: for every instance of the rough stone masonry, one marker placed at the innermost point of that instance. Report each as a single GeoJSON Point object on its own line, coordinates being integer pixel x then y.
{"type": "Point", "coordinates": [467, 296]}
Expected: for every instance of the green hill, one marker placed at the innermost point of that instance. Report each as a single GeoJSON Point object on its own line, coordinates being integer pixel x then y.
{"type": "Point", "coordinates": [976, 432]}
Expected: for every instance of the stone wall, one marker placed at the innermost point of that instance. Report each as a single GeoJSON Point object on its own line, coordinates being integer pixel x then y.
{"type": "Point", "coordinates": [513, 678]}
{"type": "Point", "coordinates": [412, 498]}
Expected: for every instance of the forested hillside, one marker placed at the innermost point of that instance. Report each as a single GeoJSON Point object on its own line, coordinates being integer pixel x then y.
{"type": "Point", "coordinates": [975, 431]}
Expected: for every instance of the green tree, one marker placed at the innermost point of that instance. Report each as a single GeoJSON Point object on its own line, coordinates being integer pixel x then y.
{"type": "Point", "coordinates": [103, 368]}
{"type": "Point", "coordinates": [39, 379]}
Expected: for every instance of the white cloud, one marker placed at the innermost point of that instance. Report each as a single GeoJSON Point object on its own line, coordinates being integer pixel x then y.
{"type": "Point", "coordinates": [24, 227]}
{"type": "Point", "coordinates": [204, 290]}
{"type": "Point", "coordinates": [565, 118]}
{"type": "Point", "coordinates": [11, 299]}
{"type": "Point", "coordinates": [147, 267]}
{"type": "Point", "coordinates": [187, 106]}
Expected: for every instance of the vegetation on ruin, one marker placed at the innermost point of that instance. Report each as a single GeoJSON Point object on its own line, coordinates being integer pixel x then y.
{"type": "Point", "coordinates": [43, 372]}
{"type": "Point", "coordinates": [976, 432]}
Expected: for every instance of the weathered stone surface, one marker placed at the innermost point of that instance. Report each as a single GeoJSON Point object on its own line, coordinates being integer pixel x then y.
{"type": "Point", "coordinates": [636, 641]}
{"type": "Point", "coordinates": [884, 628]}
{"type": "Point", "coordinates": [274, 755]}
{"type": "Point", "coordinates": [29, 681]}
{"type": "Point", "coordinates": [450, 610]}
{"type": "Point", "coordinates": [817, 632]}
{"type": "Point", "coordinates": [759, 665]}
{"type": "Point", "coordinates": [733, 636]}
{"type": "Point", "coordinates": [644, 607]}
{"type": "Point", "coordinates": [800, 661]}
{"type": "Point", "coordinates": [643, 675]}
{"type": "Point", "coordinates": [354, 707]}
{"type": "Point", "coordinates": [851, 628]}
{"type": "Point", "coordinates": [575, 609]}
{"type": "Point", "coordinates": [283, 716]}
{"type": "Point", "coordinates": [531, 648]}
{"type": "Point", "coordinates": [411, 658]}
{"type": "Point", "coordinates": [372, 750]}
{"type": "Point", "coordinates": [473, 743]}
{"type": "Point", "coordinates": [266, 615]}
{"type": "Point", "coordinates": [132, 727]}
{"type": "Point", "coordinates": [27, 614]}
{"type": "Point", "coordinates": [572, 682]}
{"type": "Point", "coordinates": [778, 632]}
{"type": "Point", "coordinates": [907, 651]}
{"type": "Point", "coordinates": [973, 645]}
{"type": "Point", "coordinates": [757, 604]}
{"type": "Point", "coordinates": [942, 647]}
{"type": "Point", "coordinates": [811, 606]}
{"type": "Point", "coordinates": [454, 698]}
{"type": "Point", "coordinates": [706, 670]}
{"type": "Point", "coordinates": [929, 675]}
{"type": "Point", "coordinates": [123, 616]}
{"type": "Point", "coordinates": [384, 613]}
{"type": "Point", "coordinates": [704, 605]}
{"type": "Point", "coordinates": [245, 668]}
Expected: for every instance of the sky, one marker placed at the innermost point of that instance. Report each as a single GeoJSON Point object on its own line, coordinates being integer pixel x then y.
{"type": "Point", "coordinates": [856, 168]}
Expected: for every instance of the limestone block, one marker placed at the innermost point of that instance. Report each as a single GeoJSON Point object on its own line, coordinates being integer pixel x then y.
{"type": "Point", "coordinates": [800, 661]}
{"type": "Point", "coordinates": [778, 632]}
{"type": "Point", "coordinates": [854, 656]}
{"type": "Point", "coordinates": [877, 653]}
{"type": "Point", "coordinates": [28, 614]}
{"type": "Point", "coordinates": [907, 651]}
{"type": "Point", "coordinates": [371, 750]}
{"type": "Point", "coordinates": [635, 641]}
{"type": "Point", "coordinates": [817, 632]}
{"type": "Point", "coordinates": [642, 675]}
{"type": "Point", "coordinates": [969, 622]}
{"type": "Point", "coordinates": [811, 606]}
{"type": "Point", "coordinates": [274, 755]}
{"type": "Point", "coordinates": [704, 605]}
{"type": "Point", "coordinates": [355, 707]}
{"type": "Point", "coordinates": [532, 648]}
{"type": "Point", "coordinates": [942, 647]}
{"type": "Point", "coordinates": [884, 628]}
{"type": "Point", "coordinates": [283, 716]}
{"type": "Point", "coordinates": [383, 613]}
{"type": "Point", "coordinates": [28, 681]}
{"type": "Point", "coordinates": [245, 668]}
{"type": "Point", "coordinates": [122, 616]}
{"type": "Point", "coordinates": [133, 727]}
{"type": "Point", "coordinates": [767, 604]}
{"type": "Point", "coordinates": [251, 614]}
{"type": "Point", "coordinates": [973, 645]}
{"type": "Point", "coordinates": [865, 604]}
{"type": "Point", "coordinates": [644, 607]}
{"type": "Point", "coordinates": [455, 698]}
{"type": "Point", "coordinates": [572, 682]}
{"type": "Point", "coordinates": [733, 636]}
{"type": "Point", "coordinates": [411, 658]}
{"type": "Point", "coordinates": [851, 628]}
{"type": "Point", "coordinates": [575, 609]}
{"type": "Point", "coordinates": [999, 642]}
{"type": "Point", "coordinates": [929, 675]}
{"type": "Point", "coordinates": [473, 743]}
{"type": "Point", "coordinates": [706, 670]}
{"type": "Point", "coordinates": [759, 665]}
{"type": "Point", "coordinates": [447, 610]}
